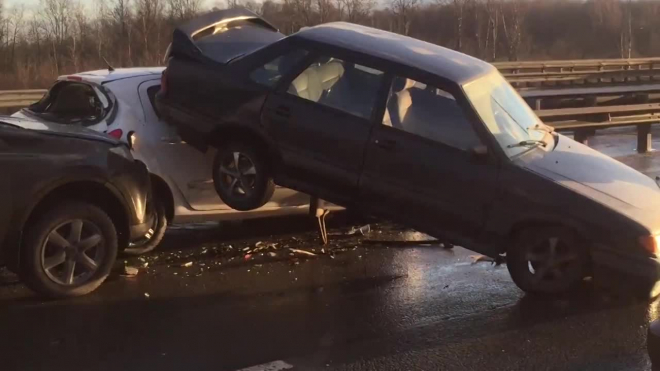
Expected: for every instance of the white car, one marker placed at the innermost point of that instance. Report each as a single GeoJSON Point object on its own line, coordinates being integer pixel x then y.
{"type": "Point", "coordinates": [121, 103]}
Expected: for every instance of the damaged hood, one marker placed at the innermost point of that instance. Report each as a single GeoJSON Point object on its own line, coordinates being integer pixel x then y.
{"type": "Point", "coordinates": [223, 35]}
{"type": "Point", "coordinates": [58, 129]}
{"type": "Point", "coordinates": [601, 178]}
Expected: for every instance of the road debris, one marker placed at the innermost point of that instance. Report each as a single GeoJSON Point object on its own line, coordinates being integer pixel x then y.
{"type": "Point", "coordinates": [146, 295]}
{"type": "Point", "coordinates": [499, 260]}
{"type": "Point", "coordinates": [130, 271]}
{"type": "Point", "coordinates": [272, 254]}
{"type": "Point", "coordinates": [363, 230]}
{"type": "Point", "coordinates": [187, 265]}
{"type": "Point", "coordinates": [303, 252]}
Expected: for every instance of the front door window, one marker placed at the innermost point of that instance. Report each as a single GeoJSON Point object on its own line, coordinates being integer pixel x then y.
{"type": "Point", "coordinates": [428, 112]}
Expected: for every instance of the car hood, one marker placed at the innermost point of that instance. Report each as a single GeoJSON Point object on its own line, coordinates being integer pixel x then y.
{"type": "Point", "coordinates": [602, 178]}
{"type": "Point", "coordinates": [20, 120]}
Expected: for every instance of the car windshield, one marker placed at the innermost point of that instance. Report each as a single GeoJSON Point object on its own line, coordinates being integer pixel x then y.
{"type": "Point", "coordinates": [505, 113]}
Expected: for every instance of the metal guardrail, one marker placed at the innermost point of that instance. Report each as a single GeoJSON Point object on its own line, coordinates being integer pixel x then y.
{"type": "Point", "coordinates": [554, 81]}
{"type": "Point", "coordinates": [19, 98]}
{"type": "Point", "coordinates": [580, 72]}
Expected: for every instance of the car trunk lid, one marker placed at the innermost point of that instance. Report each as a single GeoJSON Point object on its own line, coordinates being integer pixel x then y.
{"type": "Point", "coordinates": [223, 35]}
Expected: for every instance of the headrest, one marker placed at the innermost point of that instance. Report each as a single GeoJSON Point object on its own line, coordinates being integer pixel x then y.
{"type": "Point", "coordinates": [401, 84]}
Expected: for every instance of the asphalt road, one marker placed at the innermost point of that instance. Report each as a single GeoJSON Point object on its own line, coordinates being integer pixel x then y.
{"type": "Point", "coordinates": [353, 306]}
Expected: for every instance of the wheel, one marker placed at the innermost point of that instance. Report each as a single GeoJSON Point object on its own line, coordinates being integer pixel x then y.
{"type": "Point", "coordinates": [69, 251]}
{"type": "Point", "coordinates": [241, 177]}
{"type": "Point", "coordinates": [155, 234]}
{"type": "Point", "coordinates": [547, 260]}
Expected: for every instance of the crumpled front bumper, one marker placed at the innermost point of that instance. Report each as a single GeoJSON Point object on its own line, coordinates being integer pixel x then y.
{"type": "Point", "coordinates": [627, 272]}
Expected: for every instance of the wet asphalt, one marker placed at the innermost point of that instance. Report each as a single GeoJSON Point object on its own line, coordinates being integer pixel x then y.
{"type": "Point", "coordinates": [230, 296]}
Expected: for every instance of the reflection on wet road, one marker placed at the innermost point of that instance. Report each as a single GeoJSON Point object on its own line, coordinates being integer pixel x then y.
{"type": "Point", "coordinates": [226, 297]}
{"type": "Point", "coordinates": [350, 307]}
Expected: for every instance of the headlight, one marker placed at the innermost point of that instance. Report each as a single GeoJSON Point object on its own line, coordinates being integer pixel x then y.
{"type": "Point", "coordinates": [650, 243]}
{"type": "Point", "coordinates": [122, 151]}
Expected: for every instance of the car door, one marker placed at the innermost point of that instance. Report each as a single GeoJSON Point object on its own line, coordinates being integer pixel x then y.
{"type": "Point", "coordinates": [420, 168]}
{"type": "Point", "coordinates": [180, 163]}
{"type": "Point", "coordinates": [321, 119]}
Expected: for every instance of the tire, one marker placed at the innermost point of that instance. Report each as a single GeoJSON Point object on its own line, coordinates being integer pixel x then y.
{"type": "Point", "coordinates": [155, 235]}
{"type": "Point", "coordinates": [242, 177]}
{"type": "Point", "coordinates": [539, 268]}
{"type": "Point", "coordinates": [45, 245]}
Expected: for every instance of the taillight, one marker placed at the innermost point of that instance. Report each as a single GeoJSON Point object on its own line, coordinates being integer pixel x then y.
{"type": "Point", "coordinates": [163, 82]}
{"type": "Point", "coordinates": [117, 133]}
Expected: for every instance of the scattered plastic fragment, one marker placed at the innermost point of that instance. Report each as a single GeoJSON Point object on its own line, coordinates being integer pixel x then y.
{"type": "Point", "coordinates": [187, 265]}
{"type": "Point", "coordinates": [297, 251]}
{"type": "Point", "coordinates": [130, 271]}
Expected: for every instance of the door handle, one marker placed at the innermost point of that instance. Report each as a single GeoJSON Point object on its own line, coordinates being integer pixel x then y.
{"type": "Point", "coordinates": [385, 143]}
{"type": "Point", "coordinates": [283, 111]}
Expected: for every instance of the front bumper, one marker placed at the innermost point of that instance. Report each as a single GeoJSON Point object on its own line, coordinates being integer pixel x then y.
{"type": "Point", "coordinates": [627, 272]}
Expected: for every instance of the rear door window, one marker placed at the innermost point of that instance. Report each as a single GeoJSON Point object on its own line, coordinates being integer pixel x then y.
{"type": "Point", "coordinates": [271, 73]}
{"type": "Point", "coordinates": [339, 84]}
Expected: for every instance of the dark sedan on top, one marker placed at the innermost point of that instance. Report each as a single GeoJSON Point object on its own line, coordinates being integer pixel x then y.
{"type": "Point", "coordinates": [409, 131]}
{"type": "Point", "coordinates": [70, 199]}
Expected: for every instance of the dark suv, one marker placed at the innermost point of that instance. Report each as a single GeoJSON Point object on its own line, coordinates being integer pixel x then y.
{"type": "Point", "coordinates": [410, 131]}
{"type": "Point", "coordinates": [71, 198]}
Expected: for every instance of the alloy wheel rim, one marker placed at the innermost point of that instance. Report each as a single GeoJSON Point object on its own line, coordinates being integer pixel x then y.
{"type": "Point", "coordinates": [550, 260]}
{"type": "Point", "coordinates": [72, 260]}
{"type": "Point", "coordinates": [239, 174]}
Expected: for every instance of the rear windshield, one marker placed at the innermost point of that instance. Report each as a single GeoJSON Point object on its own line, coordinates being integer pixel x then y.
{"type": "Point", "coordinates": [227, 41]}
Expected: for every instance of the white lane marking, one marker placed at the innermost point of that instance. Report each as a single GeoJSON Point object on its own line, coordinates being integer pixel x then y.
{"type": "Point", "coordinates": [270, 366]}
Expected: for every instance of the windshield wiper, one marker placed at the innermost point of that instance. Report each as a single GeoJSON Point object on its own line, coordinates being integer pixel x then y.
{"type": "Point", "coordinates": [530, 142]}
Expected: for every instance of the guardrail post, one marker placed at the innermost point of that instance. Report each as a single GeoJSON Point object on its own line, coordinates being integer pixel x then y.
{"type": "Point", "coordinates": [581, 135]}
{"type": "Point", "coordinates": [644, 138]}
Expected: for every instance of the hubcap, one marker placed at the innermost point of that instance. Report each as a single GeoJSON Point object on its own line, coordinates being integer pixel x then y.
{"type": "Point", "coordinates": [73, 259]}
{"type": "Point", "coordinates": [238, 174]}
{"type": "Point", "coordinates": [551, 260]}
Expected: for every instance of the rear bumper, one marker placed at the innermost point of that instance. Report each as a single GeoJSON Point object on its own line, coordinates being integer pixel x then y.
{"type": "Point", "coordinates": [191, 128]}
{"type": "Point", "coordinates": [630, 273]}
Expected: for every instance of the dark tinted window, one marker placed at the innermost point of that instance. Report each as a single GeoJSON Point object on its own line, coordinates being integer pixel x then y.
{"type": "Point", "coordinates": [270, 73]}
{"type": "Point", "coordinates": [428, 112]}
{"type": "Point", "coordinates": [151, 93]}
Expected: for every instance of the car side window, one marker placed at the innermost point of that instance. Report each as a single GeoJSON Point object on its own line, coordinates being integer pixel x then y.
{"type": "Point", "coordinates": [270, 73]}
{"type": "Point", "coordinates": [428, 112]}
{"type": "Point", "coordinates": [339, 84]}
{"type": "Point", "coordinates": [151, 93]}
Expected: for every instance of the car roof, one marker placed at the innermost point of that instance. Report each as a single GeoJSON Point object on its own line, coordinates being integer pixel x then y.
{"type": "Point", "coordinates": [105, 76]}
{"type": "Point", "coordinates": [447, 63]}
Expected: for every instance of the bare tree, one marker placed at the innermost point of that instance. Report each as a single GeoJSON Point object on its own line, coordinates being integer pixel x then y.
{"type": "Point", "coordinates": [357, 10]}
{"type": "Point", "coordinates": [493, 12]}
{"type": "Point", "coordinates": [15, 19]}
{"type": "Point", "coordinates": [182, 10]}
{"type": "Point", "coordinates": [512, 20]}
{"type": "Point", "coordinates": [120, 20]}
{"type": "Point", "coordinates": [402, 10]}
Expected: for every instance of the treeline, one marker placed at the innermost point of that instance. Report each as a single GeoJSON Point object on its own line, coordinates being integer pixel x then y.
{"type": "Point", "coordinates": [63, 36]}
